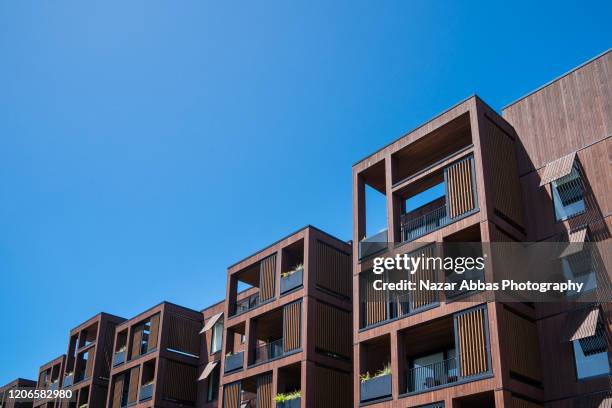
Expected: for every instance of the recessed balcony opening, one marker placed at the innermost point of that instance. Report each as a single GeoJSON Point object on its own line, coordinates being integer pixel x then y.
{"type": "Point", "coordinates": [248, 393]}
{"type": "Point", "coordinates": [431, 149]}
{"type": "Point", "coordinates": [292, 270]}
{"type": "Point", "coordinates": [267, 337]}
{"type": "Point", "coordinates": [148, 381]}
{"type": "Point", "coordinates": [120, 348]}
{"type": "Point", "coordinates": [374, 218]}
{"type": "Point", "coordinates": [375, 375]}
{"type": "Point", "coordinates": [234, 354]}
{"type": "Point", "coordinates": [262, 276]}
{"type": "Point", "coordinates": [436, 200]}
{"type": "Point", "coordinates": [466, 243]}
{"type": "Point", "coordinates": [55, 377]}
{"type": "Point", "coordinates": [482, 400]}
{"type": "Point", "coordinates": [84, 365]}
{"type": "Point", "coordinates": [88, 336]}
{"type": "Point", "coordinates": [83, 398]}
{"type": "Point", "coordinates": [289, 387]}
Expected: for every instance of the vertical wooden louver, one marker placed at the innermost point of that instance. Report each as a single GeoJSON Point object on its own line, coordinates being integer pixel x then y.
{"type": "Point", "coordinates": [183, 333]}
{"type": "Point", "coordinates": [292, 326]}
{"type": "Point", "coordinates": [154, 333]}
{"type": "Point", "coordinates": [472, 341]}
{"type": "Point", "coordinates": [91, 353]}
{"type": "Point", "coordinates": [231, 395]}
{"type": "Point", "coordinates": [523, 349]}
{"type": "Point", "coordinates": [180, 381]}
{"type": "Point", "coordinates": [133, 389]}
{"type": "Point", "coordinates": [333, 333]}
{"type": "Point", "coordinates": [136, 341]}
{"type": "Point", "coordinates": [118, 390]}
{"type": "Point", "coordinates": [333, 269]}
{"type": "Point", "coordinates": [374, 301]}
{"type": "Point", "coordinates": [420, 298]}
{"type": "Point", "coordinates": [264, 391]}
{"type": "Point", "coordinates": [267, 274]}
{"type": "Point", "coordinates": [459, 188]}
{"type": "Point", "coordinates": [332, 388]}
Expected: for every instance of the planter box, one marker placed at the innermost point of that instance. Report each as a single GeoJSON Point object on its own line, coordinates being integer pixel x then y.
{"type": "Point", "coordinates": [233, 362]}
{"type": "Point", "coordinates": [294, 403]}
{"type": "Point", "coordinates": [292, 281]}
{"type": "Point", "coordinates": [376, 388]}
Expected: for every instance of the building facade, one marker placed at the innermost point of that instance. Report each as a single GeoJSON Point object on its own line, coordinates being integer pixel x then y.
{"type": "Point", "coordinates": [49, 378]}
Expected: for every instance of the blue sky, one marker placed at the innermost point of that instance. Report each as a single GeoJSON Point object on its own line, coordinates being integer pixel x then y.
{"type": "Point", "coordinates": [147, 145]}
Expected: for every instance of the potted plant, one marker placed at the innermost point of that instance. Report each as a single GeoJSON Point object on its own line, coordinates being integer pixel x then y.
{"type": "Point", "coordinates": [289, 400]}
{"type": "Point", "coordinates": [292, 278]}
{"type": "Point", "coordinates": [376, 386]}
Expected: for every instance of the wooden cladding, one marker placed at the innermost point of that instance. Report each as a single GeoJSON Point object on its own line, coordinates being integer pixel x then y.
{"type": "Point", "coordinates": [516, 402]}
{"type": "Point", "coordinates": [267, 274]}
{"type": "Point", "coordinates": [231, 395]}
{"type": "Point", "coordinates": [471, 334]}
{"type": "Point", "coordinates": [332, 388]}
{"type": "Point", "coordinates": [420, 298]}
{"type": "Point", "coordinates": [133, 388]}
{"type": "Point", "coordinates": [183, 334]}
{"type": "Point", "coordinates": [180, 382]}
{"type": "Point", "coordinates": [264, 391]}
{"type": "Point", "coordinates": [118, 390]}
{"type": "Point", "coordinates": [459, 188]}
{"type": "Point", "coordinates": [522, 347]}
{"type": "Point", "coordinates": [153, 333]}
{"type": "Point", "coordinates": [503, 172]}
{"type": "Point", "coordinates": [136, 341]}
{"type": "Point", "coordinates": [333, 269]}
{"type": "Point", "coordinates": [292, 326]}
{"type": "Point", "coordinates": [89, 365]}
{"type": "Point", "coordinates": [374, 302]}
{"type": "Point", "coordinates": [333, 330]}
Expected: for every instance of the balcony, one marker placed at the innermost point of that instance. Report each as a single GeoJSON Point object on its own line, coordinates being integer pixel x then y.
{"type": "Point", "coordinates": [233, 362]}
{"type": "Point", "coordinates": [68, 380]}
{"type": "Point", "coordinates": [375, 388]}
{"type": "Point", "coordinates": [244, 305]}
{"type": "Point", "coordinates": [119, 357]}
{"type": "Point", "coordinates": [54, 385]}
{"type": "Point", "coordinates": [291, 280]}
{"type": "Point", "coordinates": [432, 375]}
{"type": "Point", "coordinates": [268, 351]}
{"type": "Point", "coordinates": [146, 391]}
{"type": "Point", "coordinates": [413, 227]}
{"type": "Point", "coordinates": [373, 244]}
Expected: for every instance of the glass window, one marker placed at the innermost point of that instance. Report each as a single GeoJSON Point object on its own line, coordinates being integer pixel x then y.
{"type": "Point", "coordinates": [217, 337]}
{"type": "Point", "coordinates": [213, 385]}
{"type": "Point", "coordinates": [591, 355]}
{"type": "Point", "coordinates": [568, 195]}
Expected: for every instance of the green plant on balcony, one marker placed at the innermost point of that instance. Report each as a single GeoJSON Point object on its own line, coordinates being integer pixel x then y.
{"type": "Point", "coordinates": [292, 271]}
{"type": "Point", "coordinates": [281, 397]}
{"type": "Point", "coordinates": [386, 370]}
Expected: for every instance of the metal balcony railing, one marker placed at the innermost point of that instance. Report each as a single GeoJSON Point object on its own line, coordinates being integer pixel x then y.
{"type": "Point", "coordinates": [146, 392]}
{"type": "Point", "coordinates": [432, 375]}
{"type": "Point", "coordinates": [373, 244]}
{"type": "Point", "coordinates": [68, 380]}
{"type": "Point", "coordinates": [415, 227]}
{"type": "Point", "coordinates": [245, 304]}
{"type": "Point", "coordinates": [119, 358]}
{"type": "Point", "coordinates": [268, 351]}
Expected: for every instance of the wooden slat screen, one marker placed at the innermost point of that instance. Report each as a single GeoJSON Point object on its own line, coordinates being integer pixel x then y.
{"type": "Point", "coordinates": [374, 302]}
{"type": "Point", "coordinates": [267, 275]}
{"type": "Point", "coordinates": [264, 391]}
{"type": "Point", "coordinates": [503, 171]}
{"type": "Point", "coordinates": [472, 341]}
{"type": "Point", "coordinates": [180, 382]}
{"type": "Point", "coordinates": [183, 334]}
{"type": "Point", "coordinates": [292, 326]}
{"type": "Point", "coordinates": [231, 395]}
{"type": "Point", "coordinates": [558, 168]}
{"type": "Point", "coordinates": [154, 333]}
{"type": "Point", "coordinates": [460, 197]}
{"type": "Point", "coordinates": [333, 269]}
{"type": "Point", "coordinates": [516, 402]}
{"type": "Point", "coordinates": [334, 330]}
{"type": "Point", "coordinates": [134, 380]}
{"type": "Point", "coordinates": [420, 298]}
{"type": "Point", "coordinates": [109, 339]}
{"type": "Point", "coordinates": [523, 349]}
{"type": "Point", "coordinates": [136, 341]}
{"type": "Point", "coordinates": [332, 388]}
{"type": "Point", "coordinates": [91, 354]}
{"type": "Point", "coordinates": [118, 390]}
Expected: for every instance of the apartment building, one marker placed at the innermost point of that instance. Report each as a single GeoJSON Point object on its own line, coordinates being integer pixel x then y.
{"type": "Point", "coordinates": [49, 378]}
{"type": "Point", "coordinates": [209, 371]}
{"type": "Point", "coordinates": [289, 338]}
{"type": "Point", "coordinates": [88, 361]}
{"type": "Point", "coordinates": [6, 402]}
{"type": "Point", "coordinates": [540, 172]}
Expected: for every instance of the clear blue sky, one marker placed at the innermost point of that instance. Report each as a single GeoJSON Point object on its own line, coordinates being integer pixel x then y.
{"type": "Point", "coordinates": [147, 145]}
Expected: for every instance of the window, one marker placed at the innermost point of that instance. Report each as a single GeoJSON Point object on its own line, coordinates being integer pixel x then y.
{"type": "Point", "coordinates": [591, 355]}
{"type": "Point", "coordinates": [213, 385]}
{"type": "Point", "coordinates": [144, 342]}
{"type": "Point", "coordinates": [568, 194]}
{"type": "Point", "coordinates": [217, 337]}
{"type": "Point", "coordinates": [242, 339]}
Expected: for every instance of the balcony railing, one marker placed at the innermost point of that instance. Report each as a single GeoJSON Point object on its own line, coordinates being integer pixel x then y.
{"type": "Point", "coordinates": [268, 351]}
{"type": "Point", "coordinates": [415, 227]}
{"type": "Point", "coordinates": [119, 358]}
{"type": "Point", "coordinates": [373, 244]}
{"type": "Point", "coordinates": [233, 362]}
{"type": "Point", "coordinates": [146, 392]}
{"type": "Point", "coordinates": [68, 380]}
{"type": "Point", "coordinates": [245, 304]}
{"type": "Point", "coordinates": [292, 280]}
{"type": "Point", "coordinates": [432, 375]}
{"type": "Point", "coordinates": [54, 385]}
